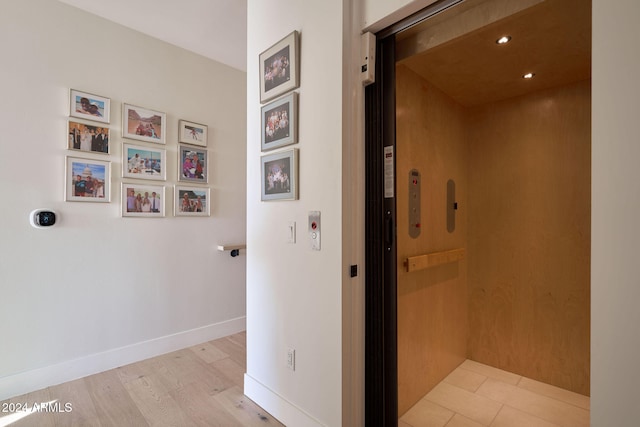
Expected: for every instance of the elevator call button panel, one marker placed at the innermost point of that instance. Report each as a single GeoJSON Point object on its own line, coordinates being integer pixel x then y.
{"type": "Point", "coordinates": [314, 230]}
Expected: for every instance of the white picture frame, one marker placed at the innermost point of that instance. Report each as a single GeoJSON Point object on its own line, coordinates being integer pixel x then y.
{"type": "Point", "coordinates": [191, 201]}
{"type": "Point", "coordinates": [144, 162]}
{"type": "Point", "coordinates": [87, 180]}
{"type": "Point", "coordinates": [143, 124]}
{"type": "Point", "coordinates": [90, 138]}
{"type": "Point", "coordinates": [85, 105]}
{"type": "Point", "coordinates": [192, 133]}
{"type": "Point", "coordinates": [143, 200]}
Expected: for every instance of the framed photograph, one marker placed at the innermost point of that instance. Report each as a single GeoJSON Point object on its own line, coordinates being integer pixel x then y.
{"type": "Point", "coordinates": [144, 162]}
{"type": "Point", "coordinates": [192, 164]}
{"type": "Point", "coordinates": [87, 180]}
{"type": "Point", "coordinates": [280, 68]}
{"type": "Point", "coordinates": [89, 138]}
{"type": "Point", "coordinates": [192, 133]}
{"type": "Point", "coordinates": [143, 124]}
{"type": "Point", "coordinates": [191, 201]}
{"type": "Point", "coordinates": [142, 200]}
{"type": "Point", "coordinates": [88, 106]}
{"type": "Point", "coordinates": [280, 175]}
{"type": "Point", "coordinates": [280, 122]}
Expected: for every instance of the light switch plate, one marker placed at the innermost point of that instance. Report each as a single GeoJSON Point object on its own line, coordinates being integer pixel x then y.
{"type": "Point", "coordinates": [291, 232]}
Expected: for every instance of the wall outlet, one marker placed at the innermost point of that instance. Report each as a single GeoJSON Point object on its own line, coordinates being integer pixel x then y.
{"type": "Point", "coordinates": [291, 359]}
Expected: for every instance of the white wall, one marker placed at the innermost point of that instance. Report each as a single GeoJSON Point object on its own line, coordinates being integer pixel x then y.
{"type": "Point", "coordinates": [294, 294]}
{"type": "Point", "coordinates": [98, 290]}
{"type": "Point", "coordinates": [615, 280]}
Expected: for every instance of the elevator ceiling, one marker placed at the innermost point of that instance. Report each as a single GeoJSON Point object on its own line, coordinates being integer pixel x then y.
{"type": "Point", "coordinates": [552, 39]}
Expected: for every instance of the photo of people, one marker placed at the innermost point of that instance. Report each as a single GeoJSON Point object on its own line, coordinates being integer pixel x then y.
{"type": "Point", "coordinates": [143, 162]}
{"type": "Point", "coordinates": [276, 69]}
{"type": "Point", "coordinates": [88, 138]}
{"type": "Point", "coordinates": [140, 200]}
{"type": "Point", "coordinates": [280, 175]}
{"type": "Point", "coordinates": [193, 164]}
{"type": "Point", "coordinates": [87, 106]}
{"type": "Point", "coordinates": [279, 122]}
{"type": "Point", "coordinates": [87, 180]}
{"type": "Point", "coordinates": [192, 133]}
{"type": "Point", "coordinates": [279, 67]}
{"type": "Point", "coordinates": [277, 179]}
{"type": "Point", "coordinates": [143, 124]}
{"type": "Point", "coordinates": [191, 201]}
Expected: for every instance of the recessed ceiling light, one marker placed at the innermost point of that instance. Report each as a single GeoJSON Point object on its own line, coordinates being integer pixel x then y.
{"type": "Point", "coordinates": [504, 40]}
{"type": "Point", "coordinates": [528, 76]}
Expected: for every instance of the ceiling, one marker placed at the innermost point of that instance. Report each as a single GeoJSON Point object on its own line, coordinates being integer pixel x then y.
{"type": "Point", "coordinates": [216, 29]}
{"type": "Point", "coordinates": [551, 39]}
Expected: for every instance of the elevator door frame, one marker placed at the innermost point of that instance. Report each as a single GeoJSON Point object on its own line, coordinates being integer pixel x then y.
{"type": "Point", "coordinates": [381, 376]}
{"type": "Point", "coordinates": [381, 360]}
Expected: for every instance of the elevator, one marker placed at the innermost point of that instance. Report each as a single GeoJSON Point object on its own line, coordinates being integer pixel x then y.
{"type": "Point", "coordinates": [490, 215]}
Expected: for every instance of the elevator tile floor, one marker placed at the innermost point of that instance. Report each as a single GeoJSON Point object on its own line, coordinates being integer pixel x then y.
{"type": "Point", "coordinates": [476, 395]}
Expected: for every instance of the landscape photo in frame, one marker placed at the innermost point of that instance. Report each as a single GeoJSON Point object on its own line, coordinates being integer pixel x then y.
{"type": "Point", "coordinates": [143, 124]}
{"type": "Point", "coordinates": [142, 200]}
{"type": "Point", "coordinates": [144, 162]}
{"type": "Point", "coordinates": [88, 106]}
{"type": "Point", "coordinates": [192, 133]}
{"type": "Point", "coordinates": [88, 137]}
{"type": "Point", "coordinates": [192, 201]}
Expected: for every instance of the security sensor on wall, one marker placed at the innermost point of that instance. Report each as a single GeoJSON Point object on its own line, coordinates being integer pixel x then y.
{"type": "Point", "coordinates": [41, 218]}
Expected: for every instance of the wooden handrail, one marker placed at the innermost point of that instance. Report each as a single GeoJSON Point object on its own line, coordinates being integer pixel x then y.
{"type": "Point", "coordinates": [421, 262]}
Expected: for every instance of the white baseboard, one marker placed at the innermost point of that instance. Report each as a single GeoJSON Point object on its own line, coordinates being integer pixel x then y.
{"type": "Point", "coordinates": [286, 412]}
{"type": "Point", "coordinates": [36, 379]}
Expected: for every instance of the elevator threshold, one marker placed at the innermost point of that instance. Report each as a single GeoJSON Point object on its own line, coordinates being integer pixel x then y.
{"type": "Point", "coordinates": [421, 262]}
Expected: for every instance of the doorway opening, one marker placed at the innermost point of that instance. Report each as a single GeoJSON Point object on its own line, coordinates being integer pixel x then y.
{"type": "Point", "coordinates": [485, 234]}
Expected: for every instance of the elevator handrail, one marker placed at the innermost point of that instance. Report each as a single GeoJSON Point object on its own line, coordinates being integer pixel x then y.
{"type": "Point", "coordinates": [421, 262]}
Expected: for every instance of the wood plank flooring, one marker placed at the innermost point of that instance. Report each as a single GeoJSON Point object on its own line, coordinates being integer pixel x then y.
{"type": "Point", "coordinates": [197, 386]}
{"type": "Point", "coordinates": [476, 395]}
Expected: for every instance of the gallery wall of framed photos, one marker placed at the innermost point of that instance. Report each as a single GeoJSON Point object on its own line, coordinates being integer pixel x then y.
{"type": "Point", "coordinates": [145, 142]}
{"type": "Point", "coordinates": [279, 76]}
{"type": "Point", "coordinates": [146, 190]}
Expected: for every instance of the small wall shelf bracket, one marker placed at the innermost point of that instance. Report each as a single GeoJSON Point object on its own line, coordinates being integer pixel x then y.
{"type": "Point", "coordinates": [234, 250]}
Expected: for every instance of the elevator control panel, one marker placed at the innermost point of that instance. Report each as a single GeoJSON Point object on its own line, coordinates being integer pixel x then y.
{"type": "Point", "coordinates": [314, 230]}
{"type": "Point", "coordinates": [415, 225]}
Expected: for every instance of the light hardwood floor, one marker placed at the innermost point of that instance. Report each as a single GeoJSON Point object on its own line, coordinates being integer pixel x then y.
{"type": "Point", "coordinates": [202, 386]}
{"type": "Point", "coordinates": [197, 386]}
{"type": "Point", "coordinates": [476, 395]}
